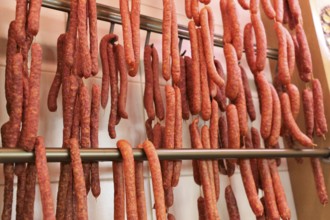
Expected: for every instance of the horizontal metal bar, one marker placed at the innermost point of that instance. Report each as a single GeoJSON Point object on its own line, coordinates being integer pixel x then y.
{"type": "Point", "coordinates": [111, 14]}
{"type": "Point", "coordinates": [11, 155]}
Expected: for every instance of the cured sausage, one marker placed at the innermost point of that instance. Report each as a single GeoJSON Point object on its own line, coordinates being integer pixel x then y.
{"type": "Point", "coordinates": [294, 96]}
{"type": "Point", "coordinates": [30, 188]}
{"type": "Point", "coordinates": [221, 92]}
{"type": "Point", "coordinates": [75, 131]}
{"type": "Point", "coordinates": [248, 95]}
{"type": "Point", "coordinates": [159, 106]}
{"type": "Point", "coordinates": [320, 119]}
{"type": "Point", "coordinates": [268, 9]}
{"type": "Point", "coordinates": [276, 120]}
{"type": "Point", "coordinates": [214, 136]}
{"type": "Point", "coordinates": [135, 25]}
{"type": "Point", "coordinates": [261, 41]}
{"type": "Point", "coordinates": [20, 193]}
{"type": "Point", "coordinates": [65, 175]}
{"type": "Point", "coordinates": [195, 12]}
{"type": "Point", "coordinates": [283, 67]}
{"type": "Point", "coordinates": [195, 102]}
{"type": "Point", "coordinates": [57, 81]}
{"type": "Point", "coordinates": [177, 136]}
{"type": "Point", "coordinates": [231, 204]}
{"type": "Point", "coordinates": [157, 182]}
{"type": "Point", "coordinates": [205, 92]}
{"type": "Point", "coordinates": [166, 38]}
{"type": "Point", "coordinates": [43, 180]}
{"type": "Point", "coordinates": [183, 90]}
{"type": "Point", "coordinates": [308, 106]}
{"type": "Point", "coordinates": [290, 123]}
{"type": "Point", "coordinates": [227, 35]}
{"type": "Point", "coordinates": [295, 10]}
{"type": "Point", "coordinates": [79, 180]}
{"type": "Point", "coordinates": [127, 32]}
{"type": "Point", "coordinates": [128, 162]}
{"type": "Point", "coordinates": [237, 38]}
{"type": "Point", "coordinates": [8, 170]}
{"type": "Point", "coordinates": [175, 53]}
{"type": "Point", "coordinates": [233, 72]}
{"type": "Point", "coordinates": [169, 198]}
{"type": "Point", "coordinates": [189, 83]}
{"type": "Point", "coordinates": [319, 181]}
{"type": "Point", "coordinates": [119, 191]}
{"type": "Point", "coordinates": [148, 91]}
{"type": "Point", "coordinates": [254, 6]}
{"type": "Point", "coordinates": [249, 48]}
{"type": "Point", "coordinates": [34, 17]}
{"type": "Point", "coordinates": [92, 18]}
{"type": "Point", "coordinates": [170, 216]}
{"type": "Point", "coordinates": [244, 4]}
{"type": "Point", "coordinates": [119, 51]}
{"type": "Point", "coordinates": [20, 22]}
{"type": "Point", "coordinates": [201, 208]}
{"type": "Point", "coordinates": [233, 128]}
{"type": "Point", "coordinates": [187, 5]}
{"type": "Point", "coordinates": [291, 54]}
{"type": "Point", "coordinates": [305, 54]}
{"type": "Point", "coordinates": [139, 187]}
{"type": "Point", "coordinates": [194, 141]}
{"type": "Point", "coordinates": [279, 9]}
{"type": "Point", "coordinates": [240, 104]}
{"type": "Point", "coordinates": [266, 104]}
{"type": "Point", "coordinates": [148, 125]}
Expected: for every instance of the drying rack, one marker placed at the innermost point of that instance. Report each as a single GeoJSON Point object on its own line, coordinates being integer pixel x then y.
{"type": "Point", "coordinates": [152, 25]}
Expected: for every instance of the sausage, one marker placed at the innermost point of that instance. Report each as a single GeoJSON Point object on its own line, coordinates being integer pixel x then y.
{"type": "Point", "coordinates": [148, 125]}
{"type": "Point", "coordinates": [227, 35]}
{"type": "Point", "coordinates": [231, 204]}
{"type": "Point", "coordinates": [281, 201]}
{"type": "Point", "coordinates": [221, 96]}
{"type": "Point", "coordinates": [119, 51]}
{"type": "Point", "coordinates": [135, 25]}
{"type": "Point", "coordinates": [254, 6]}
{"type": "Point", "coordinates": [299, 62]}
{"type": "Point", "coordinates": [233, 128]}
{"type": "Point", "coordinates": [261, 41]}
{"type": "Point", "coordinates": [114, 92]}
{"type": "Point", "coordinates": [29, 195]}
{"type": "Point", "coordinates": [286, 12]}
{"type": "Point", "coordinates": [249, 47]}
{"type": "Point", "coordinates": [294, 96]}
{"type": "Point", "coordinates": [92, 18]}
{"type": "Point", "coordinates": [159, 106]}
{"type": "Point", "coordinates": [82, 34]}
{"type": "Point", "coordinates": [205, 92]}
{"type": "Point", "coordinates": [148, 91]}
{"type": "Point", "coordinates": [169, 198]}
{"type": "Point", "coordinates": [119, 190]}
{"type": "Point", "coordinates": [43, 180]}
{"type": "Point", "coordinates": [177, 136]}
{"type": "Point", "coordinates": [94, 127]}
{"type": "Point", "coordinates": [253, 161]}
{"type": "Point", "coordinates": [276, 120]}
{"type": "Point", "coordinates": [21, 180]}
{"type": "Point", "coordinates": [195, 12]}
{"type": "Point", "coordinates": [194, 142]}
{"type": "Point", "coordinates": [237, 38]}
{"type": "Point", "coordinates": [255, 138]}
{"type": "Point", "coordinates": [295, 10]}
{"type": "Point", "coordinates": [267, 184]}
{"type": "Point", "coordinates": [290, 123]}
{"type": "Point", "coordinates": [248, 95]}
{"type": "Point", "coordinates": [75, 131]}
{"type": "Point", "coordinates": [139, 187]}
{"type": "Point", "coordinates": [57, 81]}
{"type": "Point", "coordinates": [183, 89]}
{"type": "Point", "coordinates": [250, 187]}
{"type": "Point", "coordinates": [175, 53]}
{"type": "Point", "coordinates": [279, 9]}
{"type": "Point", "coordinates": [266, 104]}
{"type": "Point", "coordinates": [233, 72]}
{"type": "Point", "coordinates": [240, 104]}
{"type": "Point", "coordinates": [157, 182]}
{"type": "Point", "coordinates": [268, 9]}
{"type": "Point", "coordinates": [305, 54]}
{"type": "Point", "coordinates": [207, 47]}
{"type": "Point", "coordinates": [34, 17]}
{"type": "Point", "coordinates": [128, 162]}
{"type": "Point", "coordinates": [105, 67]}
{"type": "Point", "coordinates": [166, 38]}
{"type": "Point", "coordinates": [187, 5]}
{"type": "Point", "coordinates": [319, 181]}
{"type": "Point", "coordinates": [201, 208]}
{"type": "Point", "coordinates": [195, 102]}
{"type": "Point", "coordinates": [127, 32]}
{"type": "Point", "coordinates": [308, 107]}
{"type": "Point", "coordinates": [169, 132]}
{"type": "Point", "coordinates": [170, 216]}
{"type": "Point", "coordinates": [214, 136]}
{"type": "Point", "coordinates": [69, 203]}
{"type": "Point", "coordinates": [283, 68]}
{"type": "Point", "coordinates": [65, 175]}
{"type": "Point", "coordinates": [79, 180]}
{"type": "Point", "coordinates": [20, 22]}
{"type": "Point", "coordinates": [189, 83]}
{"type": "Point", "coordinates": [320, 119]}
{"type": "Point", "coordinates": [244, 4]}
{"type": "Point", "coordinates": [8, 170]}
{"type": "Point", "coordinates": [290, 51]}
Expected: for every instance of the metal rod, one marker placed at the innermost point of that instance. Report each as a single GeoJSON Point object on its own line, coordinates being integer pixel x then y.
{"type": "Point", "coordinates": [111, 14]}
{"type": "Point", "coordinates": [8, 155]}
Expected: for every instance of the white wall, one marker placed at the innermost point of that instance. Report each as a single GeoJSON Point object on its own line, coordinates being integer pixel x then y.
{"type": "Point", "coordinates": [186, 194]}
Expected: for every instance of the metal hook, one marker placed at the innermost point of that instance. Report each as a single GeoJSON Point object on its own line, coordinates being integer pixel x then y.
{"type": "Point", "coordinates": [67, 23]}
{"type": "Point", "coordinates": [180, 44]}
{"type": "Point", "coordinates": [112, 27]}
{"type": "Point", "coordinates": [147, 38]}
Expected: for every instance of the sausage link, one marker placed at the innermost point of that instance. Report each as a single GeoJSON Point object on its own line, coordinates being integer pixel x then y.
{"type": "Point", "coordinates": [277, 119]}
{"type": "Point", "coordinates": [233, 128]}
{"type": "Point", "coordinates": [79, 180]}
{"type": "Point", "coordinates": [187, 5]}
{"type": "Point", "coordinates": [240, 104]}
{"type": "Point", "coordinates": [308, 106]}
{"type": "Point", "coordinates": [135, 25]}
{"type": "Point", "coordinates": [281, 201]}
{"type": "Point", "coordinates": [29, 195]}
{"type": "Point", "coordinates": [128, 162]}
{"type": "Point", "coordinates": [169, 198]}
{"type": "Point", "coordinates": [319, 181]}
{"type": "Point", "coordinates": [227, 35]}
{"type": "Point", "coordinates": [249, 48]}
{"type": "Point", "coordinates": [194, 142]}
{"type": "Point", "coordinates": [231, 204]}
{"type": "Point", "coordinates": [119, 190]}
{"type": "Point", "coordinates": [34, 17]}
{"type": "Point", "coordinates": [183, 90]}
{"type": "Point", "coordinates": [266, 103]}
{"type": "Point", "coordinates": [235, 29]}
{"type": "Point", "coordinates": [285, 12]}
{"type": "Point", "coordinates": [205, 92]}
{"type": "Point", "coordinates": [268, 9]}
{"type": "Point", "coordinates": [299, 62]}
{"type": "Point", "coordinates": [221, 92]}
{"type": "Point", "coordinates": [114, 92]}
{"type": "Point", "coordinates": [244, 4]}
{"type": "Point", "coordinates": [159, 106]}
{"type": "Point", "coordinates": [139, 187]}
{"type": "Point", "coordinates": [195, 12]}
{"type": "Point", "coordinates": [290, 51]}
{"type": "Point", "coordinates": [250, 187]}
{"type": "Point", "coordinates": [148, 91]}
{"type": "Point", "coordinates": [295, 10]}
{"type": "Point", "coordinates": [8, 170]}
{"type": "Point", "coordinates": [290, 123]}
{"type": "Point", "coordinates": [65, 175]}
{"type": "Point", "coordinates": [283, 68]}
{"type": "Point", "coordinates": [267, 184]}
{"type": "Point", "coordinates": [214, 136]}
{"type": "Point", "coordinates": [248, 95]}
{"type": "Point", "coordinates": [233, 72]}
{"type": "Point", "coordinates": [294, 96]}
{"type": "Point", "coordinates": [201, 208]}
{"type": "Point", "coordinates": [157, 182]}
{"type": "Point", "coordinates": [223, 132]}
{"type": "Point", "coordinates": [43, 180]}
{"type": "Point", "coordinates": [166, 38]}
{"type": "Point", "coordinates": [254, 6]}
{"type": "Point", "coordinates": [148, 125]}
{"type": "Point", "coordinates": [261, 41]}
{"type": "Point", "coordinates": [253, 161]}
{"type": "Point", "coordinates": [306, 57]}
{"type": "Point", "coordinates": [175, 53]}
{"type": "Point", "coordinates": [177, 136]}
{"type": "Point", "coordinates": [320, 119]}
{"type": "Point", "coordinates": [279, 9]}
{"type": "Point", "coordinates": [92, 18]}
{"type": "Point", "coordinates": [20, 21]}
{"type": "Point", "coordinates": [195, 102]}
{"type": "Point", "coordinates": [69, 203]}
